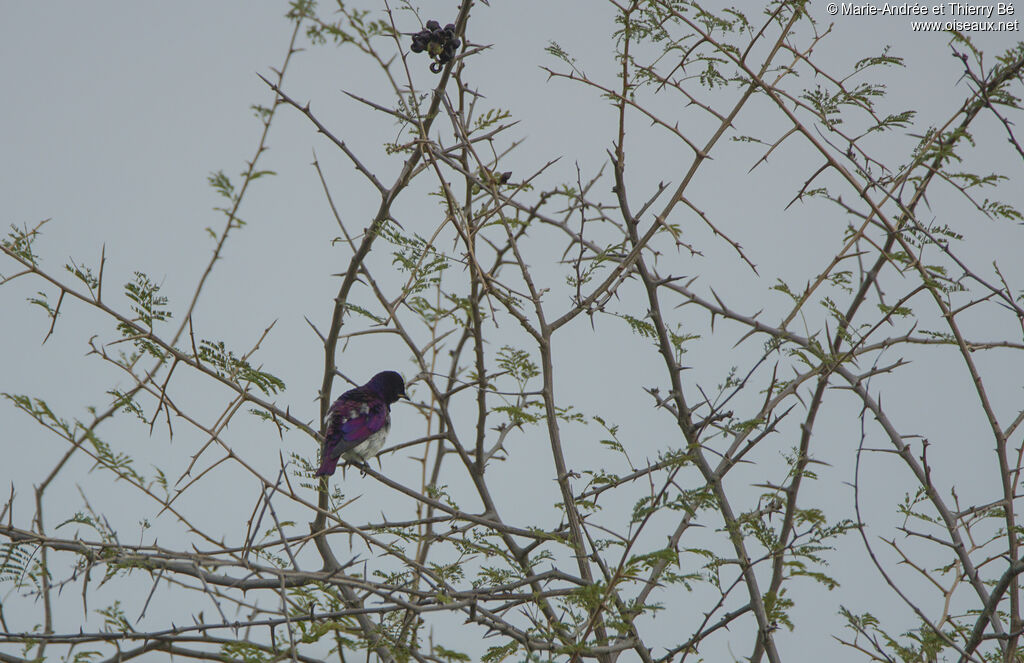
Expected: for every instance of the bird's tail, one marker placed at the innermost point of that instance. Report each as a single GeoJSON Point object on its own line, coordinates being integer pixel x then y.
{"type": "Point", "coordinates": [327, 467]}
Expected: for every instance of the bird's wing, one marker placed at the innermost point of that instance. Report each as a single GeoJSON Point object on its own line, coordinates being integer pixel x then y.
{"type": "Point", "coordinates": [355, 416]}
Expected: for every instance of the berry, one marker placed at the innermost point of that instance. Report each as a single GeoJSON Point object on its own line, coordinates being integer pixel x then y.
{"type": "Point", "coordinates": [439, 43]}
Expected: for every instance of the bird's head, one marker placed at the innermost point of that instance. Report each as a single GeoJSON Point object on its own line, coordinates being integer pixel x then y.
{"type": "Point", "coordinates": [389, 385]}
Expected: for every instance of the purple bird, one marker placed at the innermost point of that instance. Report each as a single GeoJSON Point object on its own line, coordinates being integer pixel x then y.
{"type": "Point", "coordinates": [358, 422]}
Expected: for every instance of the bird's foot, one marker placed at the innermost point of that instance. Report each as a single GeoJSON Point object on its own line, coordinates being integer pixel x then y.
{"type": "Point", "coordinates": [363, 467]}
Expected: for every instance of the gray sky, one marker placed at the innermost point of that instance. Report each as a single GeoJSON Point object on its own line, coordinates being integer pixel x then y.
{"type": "Point", "coordinates": [117, 112]}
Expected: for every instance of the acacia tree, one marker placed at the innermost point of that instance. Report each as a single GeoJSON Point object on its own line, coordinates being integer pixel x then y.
{"type": "Point", "coordinates": [709, 542]}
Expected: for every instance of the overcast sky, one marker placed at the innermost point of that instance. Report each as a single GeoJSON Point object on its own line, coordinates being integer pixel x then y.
{"type": "Point", "coordinates": [116, 113]}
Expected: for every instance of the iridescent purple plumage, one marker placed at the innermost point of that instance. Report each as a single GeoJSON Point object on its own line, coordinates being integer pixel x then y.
{"type": "Point", "coordinates": [358, 422]}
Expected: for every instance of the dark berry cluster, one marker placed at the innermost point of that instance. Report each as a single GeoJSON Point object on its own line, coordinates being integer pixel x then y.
{"type": "Point", "coordinates": [439, 43]}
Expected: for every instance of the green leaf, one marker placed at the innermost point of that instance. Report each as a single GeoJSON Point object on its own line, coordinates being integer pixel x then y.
{"type": "Point", "coordinates": [235, 369]}
{"type": "Point", "coordinates": [20, 240]}
{"type": "Point", "coordinates": [221, 184]}
{"type": "Point", "coordinates": [500, 653]}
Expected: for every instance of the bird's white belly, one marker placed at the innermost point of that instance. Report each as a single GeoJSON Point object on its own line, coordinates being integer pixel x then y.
{"type": "Point", "coordinates": [369, 447]}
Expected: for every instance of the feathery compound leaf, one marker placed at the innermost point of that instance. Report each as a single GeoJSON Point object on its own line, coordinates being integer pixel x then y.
{"type": "Point", "coordinates": [20, 240]}
{"type": "Point", "coordinates": [148, 303]}
{"type": "Point", "coordinates": [14, 561]}
{"type": "Point", "coordinates": [235, 369]}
